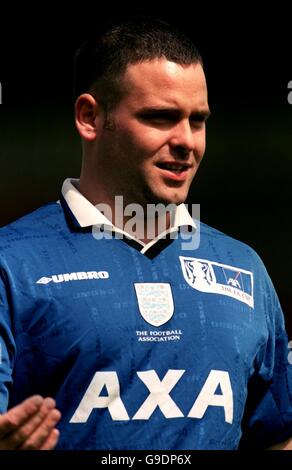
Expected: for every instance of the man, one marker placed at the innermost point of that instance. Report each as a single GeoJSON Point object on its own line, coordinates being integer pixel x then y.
{"type": "Point", "coordinates": [141, 341]}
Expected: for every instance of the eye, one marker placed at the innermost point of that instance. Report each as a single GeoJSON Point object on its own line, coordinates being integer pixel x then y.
{"type": "Point", "coordinates": [198, 121]}
{"type": "Point", "coordinates": [159, 117]}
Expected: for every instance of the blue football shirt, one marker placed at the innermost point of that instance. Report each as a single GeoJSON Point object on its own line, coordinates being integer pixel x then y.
{"type": "Point", "coordinates": [158, 348]}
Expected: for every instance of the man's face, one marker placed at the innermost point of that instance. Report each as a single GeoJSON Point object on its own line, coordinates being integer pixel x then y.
{"type": "Point", "coordinates": [157, 141]}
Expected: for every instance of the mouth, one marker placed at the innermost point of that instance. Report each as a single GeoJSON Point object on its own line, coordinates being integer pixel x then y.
{"type": "Point", "coordinates": [174, 170]}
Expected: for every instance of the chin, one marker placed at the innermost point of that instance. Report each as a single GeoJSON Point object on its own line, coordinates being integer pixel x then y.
{"type": "Point", "coordinates": [164, 195]}
{"type": "Point", "coordinates": [170, 198]}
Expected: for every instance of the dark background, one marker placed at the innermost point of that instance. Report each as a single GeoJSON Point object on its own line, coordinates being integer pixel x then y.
{"type": "Point", "coordinates": [244, 183]}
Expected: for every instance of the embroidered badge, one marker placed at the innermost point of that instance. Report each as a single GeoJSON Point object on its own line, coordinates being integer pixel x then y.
{"type": "Point", "coordinates": [155, 302]}
{"type": "Point", "coordinates": [216, 278]}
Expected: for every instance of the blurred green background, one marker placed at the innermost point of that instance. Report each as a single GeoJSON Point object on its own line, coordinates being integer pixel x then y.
{"type": "Point", "coordinates": [244, 183]}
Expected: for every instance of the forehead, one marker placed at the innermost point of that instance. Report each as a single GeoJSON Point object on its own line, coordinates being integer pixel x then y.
{"type": "Point", "coordinates": [161, 82]}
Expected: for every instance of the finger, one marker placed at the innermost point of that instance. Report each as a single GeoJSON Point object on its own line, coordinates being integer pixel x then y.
{"type": "Point", "coordinates": [17, 437]}
{"type": "Point", "coordinates": [41, 434]}
{"type": "Point", "coordinates": [34, 421]}
{"type": "Point", "coordinates": [16, 416]}
{"type": "Point", "coordinates": [51, 441]}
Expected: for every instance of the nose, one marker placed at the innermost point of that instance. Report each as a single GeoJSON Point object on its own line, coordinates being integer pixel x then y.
{"type": "Point", "coordinates": [183, 138]}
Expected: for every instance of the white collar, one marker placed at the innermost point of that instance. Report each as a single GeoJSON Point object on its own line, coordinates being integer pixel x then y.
{"type": "Point", "coordinates": [86, 214]}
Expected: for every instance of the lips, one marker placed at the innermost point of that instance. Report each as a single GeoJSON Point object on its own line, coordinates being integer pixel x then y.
{"type": "Point", "coordinates": [173, 166]}
{"type": "Point", "coordinates": [174, 170]}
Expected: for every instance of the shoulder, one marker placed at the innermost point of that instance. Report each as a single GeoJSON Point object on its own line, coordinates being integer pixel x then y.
{"type": "Point", "coordinates": [230, 264]}
{"type": "Point", "coordinates": [31, 229]}
{"type": "Point", "coordinates": [223, 246]}
{"type": "Point", "coordinates": [35, 220]}
{"type": "Point", "coordinates": [230, 257]}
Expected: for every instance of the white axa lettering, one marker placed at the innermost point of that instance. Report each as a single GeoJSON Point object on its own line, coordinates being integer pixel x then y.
{"type": "Point", "coordinates": [208, 397]}
{"type": "Point", "coordinates": [78, 276]}
{"type": "Point", "coordinates": [158, 396]}
{"type": "Point", "coordinates": [92, 398]}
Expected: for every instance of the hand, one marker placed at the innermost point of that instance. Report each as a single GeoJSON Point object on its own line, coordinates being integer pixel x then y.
{"type": "Point", "coordinates": [30, 425]}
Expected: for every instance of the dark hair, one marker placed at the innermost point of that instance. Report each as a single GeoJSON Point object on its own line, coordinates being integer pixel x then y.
{"type": "Point", "coordinates": [101, 61]}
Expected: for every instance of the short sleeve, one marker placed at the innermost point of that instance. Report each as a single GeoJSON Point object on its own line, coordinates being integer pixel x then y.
{"type": "Point", "coordinates": [268, 412]}
{"type": "Point", "coordinates": [7, 344]}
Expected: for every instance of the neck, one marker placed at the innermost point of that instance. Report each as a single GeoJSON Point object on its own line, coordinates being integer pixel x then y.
{"type": "Point", "coordinates": [143, 222]}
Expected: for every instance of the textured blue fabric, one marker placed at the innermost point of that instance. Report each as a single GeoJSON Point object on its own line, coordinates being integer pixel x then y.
{"type": "Point", "coordinates": [69, 313]}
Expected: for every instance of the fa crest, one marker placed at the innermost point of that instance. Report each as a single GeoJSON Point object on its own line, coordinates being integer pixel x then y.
{"type": "Point", "coordinates": [155, 302]}
{"type": "Point", "coordinates": [217, 278]}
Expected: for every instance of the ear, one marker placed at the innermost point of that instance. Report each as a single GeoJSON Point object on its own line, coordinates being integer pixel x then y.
{"type": "Point", "coordinates": [87, 114]}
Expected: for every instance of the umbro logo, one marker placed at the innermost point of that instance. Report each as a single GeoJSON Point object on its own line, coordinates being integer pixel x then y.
{"type": "Point", "coordinates": [78, 276]}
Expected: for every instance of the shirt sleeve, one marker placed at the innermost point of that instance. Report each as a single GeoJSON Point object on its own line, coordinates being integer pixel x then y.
{"type": "Point", "coordinates": [268, 412]}
{"type": "Point", "coordinates": [7, 344]}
